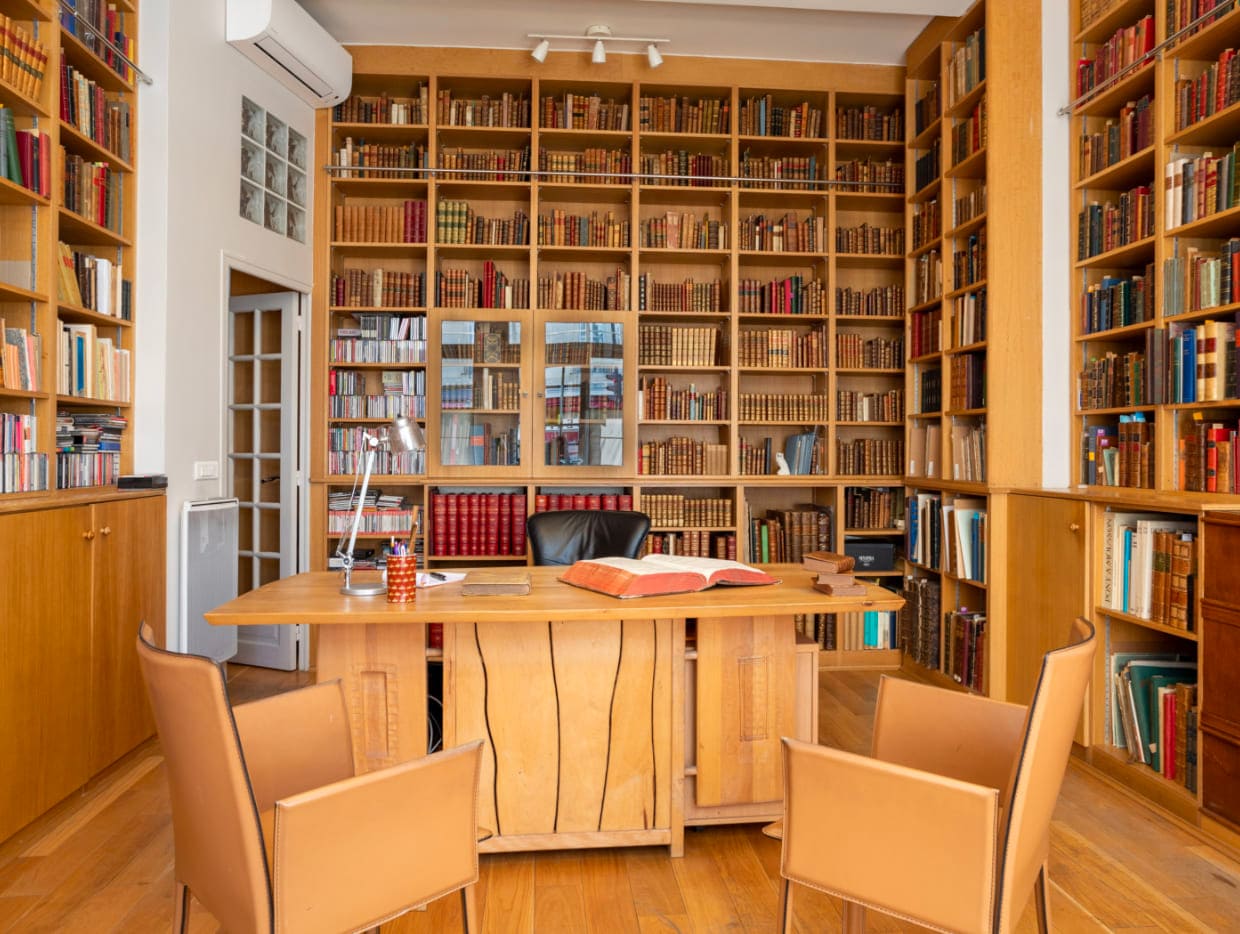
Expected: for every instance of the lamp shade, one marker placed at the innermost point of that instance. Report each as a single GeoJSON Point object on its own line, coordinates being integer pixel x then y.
{"type": "Point", "coordinates": [404, 435]}
{"type": "Point", "coordinates": [653, 56]}
{"type": "Point", "coordinates": [600, 53]}
{"type": "Point", "coordinates": [539, 54]}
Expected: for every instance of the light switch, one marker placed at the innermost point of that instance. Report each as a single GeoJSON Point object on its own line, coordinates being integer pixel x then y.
{"type": "Point", "coordinates": [206, 470]}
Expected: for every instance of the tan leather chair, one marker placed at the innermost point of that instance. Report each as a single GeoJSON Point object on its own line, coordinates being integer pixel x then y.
{"type": "Point", "coordinates": [274, 832]}
{"type": "Point", "coordinates": [948, 824]}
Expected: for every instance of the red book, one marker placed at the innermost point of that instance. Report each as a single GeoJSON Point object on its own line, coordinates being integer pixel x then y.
{"type": "Point", "coordinates": [518, 523]}
{"type": "Point", "coordinates": [434, 635]}
{"type": "Point", "coordinates": [541, 502]}
{"type": "Point", "coordinates": [505, 523]}
{"type": "Point", "coordinates": [24, 151]}
{"type": "Point", "coordinates": [594, 502]}
{"type": "Point", "coordinates": [609, 501]}
{"type": "Point", "coordinates": [491, 529]}
{"type": "Point", "coordinates": [475, 524]}
{"type": "Point", "coordinates": [579, 501]}
{"type": "Point", "coordinates": [1168, 738]}
{"type": "Point", "coordinates": [45, 166]}
{"type": "Point", "coordinates": [439, 524]}
{"type": "Point", "coordinates": [624, 501]}
{"type": "Point", "coordinates": [453, 513]}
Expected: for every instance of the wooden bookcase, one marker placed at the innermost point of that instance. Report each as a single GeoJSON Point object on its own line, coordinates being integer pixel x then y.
{"type": "Point", "coordinates": [522, 356]}
{"type": "Point", "coordinates": [973, 276]}
{"type": "Point", "coordinates": [96, 153]}
{"type": "Point", "coordinates": [1140, 427]}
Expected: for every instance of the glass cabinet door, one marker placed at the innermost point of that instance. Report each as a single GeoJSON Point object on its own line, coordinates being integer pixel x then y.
{"type": "Point", "coordinates": [583, 394]}
{"type": "Point", "coordinates": [480, 393]}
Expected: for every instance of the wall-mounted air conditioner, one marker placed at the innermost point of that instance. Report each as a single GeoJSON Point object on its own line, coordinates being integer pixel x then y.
{"type": "Point", "coordinates": [285, 41]}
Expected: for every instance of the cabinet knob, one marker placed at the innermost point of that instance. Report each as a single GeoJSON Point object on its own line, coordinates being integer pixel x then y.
{"type": "Point", "coordinates": [106, 530]}
{"type": "Point", "coordinates": [1074, 527]}
{"type": "Point", "coordinates": [89, 535]}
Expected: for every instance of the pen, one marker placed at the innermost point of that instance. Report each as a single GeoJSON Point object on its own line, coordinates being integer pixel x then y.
{"type": "Point", "coordinates": [437, 576]}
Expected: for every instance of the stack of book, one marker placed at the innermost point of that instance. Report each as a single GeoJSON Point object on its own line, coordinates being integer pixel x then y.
{"type": "Point", "coordinates": [835, 573]}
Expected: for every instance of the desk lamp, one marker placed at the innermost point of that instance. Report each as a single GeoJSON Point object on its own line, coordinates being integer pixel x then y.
{"type": "Point", "coordinates": [401, 435]}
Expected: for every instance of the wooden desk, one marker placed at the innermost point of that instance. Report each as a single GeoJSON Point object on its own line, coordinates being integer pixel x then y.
{"type": "Point", "coordinates": [580, 697]}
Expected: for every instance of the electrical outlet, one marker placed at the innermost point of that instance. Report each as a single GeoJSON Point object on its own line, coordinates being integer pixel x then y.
{"type": "Point", "coordinates": [206, 470]}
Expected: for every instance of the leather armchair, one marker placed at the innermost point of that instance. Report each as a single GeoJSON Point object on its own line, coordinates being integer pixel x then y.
{"type": "Point", "coordinates": [273, 830]}
{"type": "Point", "coordinates": [948, 822]}
{"type": "Point", "coordinates": [564, 536]}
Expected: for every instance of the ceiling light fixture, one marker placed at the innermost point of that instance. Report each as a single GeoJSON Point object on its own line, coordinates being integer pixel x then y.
{"type": "Point", "coordinates": [597, 37]}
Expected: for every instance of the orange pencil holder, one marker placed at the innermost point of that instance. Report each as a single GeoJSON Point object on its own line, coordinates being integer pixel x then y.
{"type": "Point", "coordinates": [402, 578]}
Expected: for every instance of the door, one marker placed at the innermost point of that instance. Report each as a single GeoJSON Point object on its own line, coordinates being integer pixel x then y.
{"type": "Point", "coordinates": [265, 457]}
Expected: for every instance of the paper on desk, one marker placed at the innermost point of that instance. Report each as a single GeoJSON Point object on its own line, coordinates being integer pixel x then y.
{"type": "Point", "coordinates": [425, 579]}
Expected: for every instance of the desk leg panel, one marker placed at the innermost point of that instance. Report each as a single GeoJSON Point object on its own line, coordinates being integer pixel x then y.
{"type": "Point", "coordinates": [383, 669]}
{"type": "Point", "coordinates": [576, 720]}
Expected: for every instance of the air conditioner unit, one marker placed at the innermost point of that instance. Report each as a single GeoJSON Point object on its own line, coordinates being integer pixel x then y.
{"type": "Point", "coordinates": [285, 41]}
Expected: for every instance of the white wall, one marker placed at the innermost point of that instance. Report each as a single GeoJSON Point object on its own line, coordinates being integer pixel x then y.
{"type": "Point", "coordinates": [1058, 232]}
{"type": "Point", "coordinates": [189, 170]}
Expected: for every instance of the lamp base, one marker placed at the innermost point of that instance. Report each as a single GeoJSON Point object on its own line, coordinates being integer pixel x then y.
{"type": "Point", "coordinates": [363, 590]}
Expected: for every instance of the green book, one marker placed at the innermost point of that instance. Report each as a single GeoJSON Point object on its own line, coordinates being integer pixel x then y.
{"type": "Point", "coordinates": [1140, 673]}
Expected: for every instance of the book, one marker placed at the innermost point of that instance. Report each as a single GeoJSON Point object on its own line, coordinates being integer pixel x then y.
{"type": "Point", "coordinates": [492, 581]}
{"type": "Point", "coordinates": [850, 589]}
{"type": "Point", "coordinates": [827, 562]}
{"type": "Point", "coordinates": [660, 574]}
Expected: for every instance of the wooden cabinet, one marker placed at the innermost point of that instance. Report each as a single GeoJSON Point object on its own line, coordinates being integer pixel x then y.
{"type": "Point", "coordinates": [1219, 761]}
{"type": "Point", "coordinates": [76, 581]}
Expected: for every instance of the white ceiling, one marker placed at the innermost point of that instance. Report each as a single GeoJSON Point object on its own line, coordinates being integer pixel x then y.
{"type": "Point", "coordinates": [875, 31]}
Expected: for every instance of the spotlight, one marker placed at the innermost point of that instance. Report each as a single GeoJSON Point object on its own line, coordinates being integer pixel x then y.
{"type": "Point", "coordinates": [653, 56]}
{"type": "Point", "coordinates": [600, 54]}
{"type": "Point", "coordinates": [540, 51]}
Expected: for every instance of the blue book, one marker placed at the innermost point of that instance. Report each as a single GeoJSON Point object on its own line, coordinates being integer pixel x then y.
{"type": "Point", "coordinates": [1188, 366]}
{"type": "Point", "coordinates": [1128, 535]}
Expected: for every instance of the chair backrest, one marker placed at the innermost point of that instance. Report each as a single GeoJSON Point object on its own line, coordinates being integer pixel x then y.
{"type": "Point", "coordinates": [568, 535]}
{"type": "Point", "coordinates": [215, 823]}
{"type": "Point", "coordinates": [1049, 727]}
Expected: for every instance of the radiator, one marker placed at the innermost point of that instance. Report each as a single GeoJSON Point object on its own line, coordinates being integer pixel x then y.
{"type": "Point", "coordinates": [208, 576]}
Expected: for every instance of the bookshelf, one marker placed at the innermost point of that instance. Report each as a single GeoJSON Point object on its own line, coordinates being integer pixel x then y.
{"type": "Point", "coordinates": [704, 275]}
{"type": "Point", "coordinates": [1155, 416]}
{"type": "Point", "coordinates": [66, 264]}
{"type": "Point", "coordinates": [973, 333]}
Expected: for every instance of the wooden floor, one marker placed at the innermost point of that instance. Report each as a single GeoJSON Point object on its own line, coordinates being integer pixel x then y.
{"type": "Point", "coordinates": [103, 862]}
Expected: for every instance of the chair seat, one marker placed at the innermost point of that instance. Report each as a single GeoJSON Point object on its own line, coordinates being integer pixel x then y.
{"type": "Point", "coordinates": [775, 830]}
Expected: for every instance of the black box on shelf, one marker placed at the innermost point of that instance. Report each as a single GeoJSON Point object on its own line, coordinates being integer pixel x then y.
{"type": "Point", "coordinates": [871, 556]}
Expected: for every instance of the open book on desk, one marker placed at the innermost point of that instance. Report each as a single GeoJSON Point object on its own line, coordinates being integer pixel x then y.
{"type": "Point", "coordinates": [660, 574]}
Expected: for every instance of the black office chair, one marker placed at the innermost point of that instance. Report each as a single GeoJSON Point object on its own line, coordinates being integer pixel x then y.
{"type": "Point", "coordinates": [564, 536]}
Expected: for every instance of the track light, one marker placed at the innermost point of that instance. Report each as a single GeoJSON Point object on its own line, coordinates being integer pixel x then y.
{"type": "Point", "coordinates": [598, 37]}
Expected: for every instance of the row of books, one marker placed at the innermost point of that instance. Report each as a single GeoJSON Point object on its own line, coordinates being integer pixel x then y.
{"type": "Point", "coordinates": [88, 446]}
{"type": "Point", "coordinates": [869, 457]}
{"type": "Point", "coordinates": [878, 302]}
{"type": "Point", "coordinates": [792, 295]}
{"type": "Point", "coordinates": [969, 136]}
{"type": "Point", "coordinates": [456, 222]}
{"type": "Point", "coordinates": [346, 456]}
{"type": "Point", "coordinates": [680, 456]}
{"type": "Point", "coordinates": [678, 511]}
{"type": "Point", "coordinates": [94, 190]}
{"type": "Point", "coordinates": [378, 287]}
{"type": "Point", "coordinates": [764, 116]}
{"type": "Point", "coordinates": [94, 282]}
{"type": "Point", "coordinates": [23, 58]}
{"type": "Point", "coordinates": [1181, 363]}
{"type": "Point", "coordinates": [695, 543]}
{"type": "Point", "coordinates": [98, 115]}
{"type": "Point", "coordinates": [21, 358]}
{"type": "Point", "coordinates": [855, 351]}
{"type": "Point", "coordinates": [682, 230]}
{"type": "Point", "coordinates": [687, 295]}
{"type": "Point", "coordinates": [782, 349]}
{"type": "Point", "coordinates": [1215, 89]}
{"type": "Point", "coordinates": [505, 110]}
{"type": "Point", "coordinates": [969, 320]}
{"type": "Point", "coordinates": [927, 277]}
{"type": "Point", "coordinates": [969, 264]}
{"type": "Point", "coordinates": [873, 508]}
{"type": "Point", "coordinates": [25, 156]}
{"type": "Point", "coordinates": [576, 290]}
{"type": "Point", "coordinates": [462, 288]}
{"type": "Point", "coordinates": [785, 233]}
{"type": "Point", "coordinates": [1126, 47]}
{"type": "Point", "coordinates": [382, 223]}
{"type": "Point", "coordinates": [412, 109]}
{"type": "Point", "coordinates": [926, 222]}
{"type": "Point", "coordinates": [480, 388]}
{"type": "Point", "coordinates": [1206, 457]}
{"type": "Point", "coordinates": [948, 534]}
{"type": "Point", "coordinates": [967, 67]}
{"type": "Point", "coordinates": [760, 457]}
{"type": "Point", "coordinates": [1199, 279]}
{"type": "Point", "coordinates": [353, 349]}
{"type": "Point", "coordinates": [91, 366]}
{"type": "Point", "coordinates": [664, 345]}
{"type": "Point", "coordinates": [1105, 226]}
{"type": "Point", "coordinates": [360, 159]}
{"type": "Point", "coordinates": [592, 500]}
{"type": "Point", "coordinates": [683, 115]}
{"type": "Point", "coordinates": [1119, 455]}
{"type": "Point", "coordinates": [23, 473]}
{"type": "Point", "coordinates": [1200, 186]}
{"type": "Point", "coordinates": [869, 240]}
{"type": "Point", "coordinates": [1152, 710]}
{"type": "Point", "coordinates": [93, 22]}
{"type": "Point", "coordinates": [787, 535]}
{"type": "Point", "coordinates": [467, 440]}
{"type": "Point", "coordinates": [1118, 301]}
{"type": "Point", "coordinates": [1118, 138]}
{"type": "Point", "coordinates": [583, 112]}
{"type": "Point", "coordinates": [952, 642]}
{"type": "Point", "coordinates": [1148, 566]}
{"type": "Point", "coordinates": [473, 523]}
{"type": "Point", "coordinates": [869, 123]}
{"type": "Point", "coordinates": [560, 228]}
{"type": "Point", "coordinates": [783, 407]}
{"type": "Point", "coordinates": [19, 434]}
{"type": "Point", "coordinates": [657, 400]}
{"type": "Point", "coordinates": [854, 406]}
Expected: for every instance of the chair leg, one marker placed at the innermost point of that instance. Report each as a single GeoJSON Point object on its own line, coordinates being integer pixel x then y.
{"type": "Point", "coordinates": [1042, 899]}
{"type": "Point", "coordinates": [785, 906]}
{"type": "Point", "coordinates": [180, 908]}
{"type": "Point", "coordinates": [469, 910]}
{"type": "Point", "coordinates": [854, 918]}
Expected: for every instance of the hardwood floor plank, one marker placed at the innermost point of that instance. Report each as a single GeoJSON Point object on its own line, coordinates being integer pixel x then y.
{"type": "Point", "coordinates": [652, 882]}
{"type": "Point", "coordinates": [606, 892]}
{"type": "Point", "coordinates": [509, 905]}
{"type": "Point", "coordinates": [665, 924]}
{"type": "Point", "coordinates": [701, 885]}
{"type": "Point", "coordinates": [555, 869]}
{"type": "Point", "coordinates": [754, 897]}
{"type": "Point", "coordinates": [559, 909]}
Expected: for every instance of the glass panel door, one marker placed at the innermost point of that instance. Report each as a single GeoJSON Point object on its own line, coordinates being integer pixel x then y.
{"type": "Point", "coordinates": [583, 390]}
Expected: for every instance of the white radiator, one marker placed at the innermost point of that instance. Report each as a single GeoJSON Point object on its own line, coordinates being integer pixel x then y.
{"type": "Point", "coordinates": [208, 576]}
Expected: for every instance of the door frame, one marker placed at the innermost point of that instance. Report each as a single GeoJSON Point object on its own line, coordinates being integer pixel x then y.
{"type": "Point", "coordinates": [229, 263]}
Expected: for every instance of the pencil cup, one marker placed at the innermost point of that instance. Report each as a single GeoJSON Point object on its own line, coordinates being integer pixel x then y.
{"type": "Point", "coordinates": [402, 578]}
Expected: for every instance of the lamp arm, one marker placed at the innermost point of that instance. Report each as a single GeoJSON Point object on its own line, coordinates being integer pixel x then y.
{"type": "Point", "coordinates": [369, 462]}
